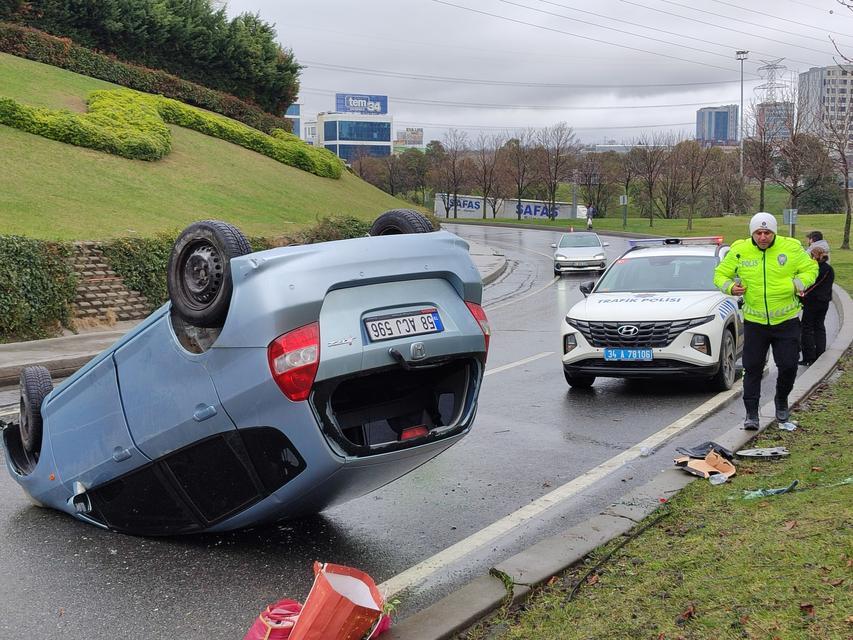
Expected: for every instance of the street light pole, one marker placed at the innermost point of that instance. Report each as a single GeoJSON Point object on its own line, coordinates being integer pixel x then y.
{"type": "Point", "coordinates": [741, 55]}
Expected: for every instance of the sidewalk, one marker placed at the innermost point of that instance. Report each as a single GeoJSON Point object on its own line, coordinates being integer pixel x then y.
{"type": "Point", "coordinates": [63, 356]}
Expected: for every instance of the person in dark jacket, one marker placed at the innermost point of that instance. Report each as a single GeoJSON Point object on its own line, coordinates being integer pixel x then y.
{"type": "Point", "coordinates": [816, 301]}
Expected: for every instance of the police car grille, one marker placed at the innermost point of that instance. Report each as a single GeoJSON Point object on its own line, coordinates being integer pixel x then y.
{"type": "Point", "coordinates": [649, 334]}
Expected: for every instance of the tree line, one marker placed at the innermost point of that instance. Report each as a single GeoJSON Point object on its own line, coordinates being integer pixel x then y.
{"type": "Point", "coordinates": [663, 175]}
{"type": "Point", "coordinates": [189, 38]}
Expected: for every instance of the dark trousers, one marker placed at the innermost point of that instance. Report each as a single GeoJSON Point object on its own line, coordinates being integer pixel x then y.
{"type": "Point", "coordinates": [814, 331]}
{"type": "Point", "coordinates": [784, 339]}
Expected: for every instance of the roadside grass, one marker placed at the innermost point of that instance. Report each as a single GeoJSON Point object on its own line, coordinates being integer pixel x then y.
{"type": "Point", "coordinates": [58, 191]}
{"type": "Point", "coordinates": [721, 566]}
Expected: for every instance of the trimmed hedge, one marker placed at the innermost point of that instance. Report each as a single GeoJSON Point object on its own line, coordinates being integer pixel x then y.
{"type": "Point", "coordinates": [33, 44]}
{"type": "Point", "coordinates": [37, 287]}
{"type": "Point", "coordinates": [133, 125]}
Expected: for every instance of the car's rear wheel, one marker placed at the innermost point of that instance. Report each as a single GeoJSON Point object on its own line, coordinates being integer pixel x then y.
{"type": "Point", "coordinates": [725, 377]}
{"type": "Point", "coordinates": [578, 381]}
{"type": "Point", "coordinates": [398, 221]}
{"type": "Point", "coordinates": [199, 272]}
{"type": "Point", "coordinates": [35, 385]}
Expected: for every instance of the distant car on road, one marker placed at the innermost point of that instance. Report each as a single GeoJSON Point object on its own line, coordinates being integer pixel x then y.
{"type": "Point", "coordinates": [655, 313]}
{"type": "Point", "coordinates": [272, 384]}
{"type": "Point", "coordinates": [579, 251]}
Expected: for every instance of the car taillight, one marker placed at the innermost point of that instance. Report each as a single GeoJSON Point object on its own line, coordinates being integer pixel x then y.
{"type": "Point", "coordinates": [480, 316]}
{"type": "Point", "coordinates": [294, 358]}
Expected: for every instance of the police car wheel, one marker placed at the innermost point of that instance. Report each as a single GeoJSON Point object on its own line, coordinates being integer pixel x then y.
{"type": "Point", "coordinates": [726, 375]}
{"type": "Point", "coordinates": [577, 381]}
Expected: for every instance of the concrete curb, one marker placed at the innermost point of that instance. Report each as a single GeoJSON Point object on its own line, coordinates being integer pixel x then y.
{"type": "Point", "coordinates": [532, 567]}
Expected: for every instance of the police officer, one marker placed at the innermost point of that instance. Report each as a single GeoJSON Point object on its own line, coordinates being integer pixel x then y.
{"type": "Point", "coordinates": [769, 271]}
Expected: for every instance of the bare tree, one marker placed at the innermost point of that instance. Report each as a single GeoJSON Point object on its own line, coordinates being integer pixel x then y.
{"type": "Point", "coordinates": [727, 190]}
{"type": "Point", "coordinates": [560, 149]}
{"type": "Point", "coordinates": [456, 147]}
{"type": "Point", "coordinates": [697, 160]}
{"type": "Point", "coordinates": [799, 156]}
{"type": "Point", "coordinates": [674, 192]}
{"type": "Point", "coordinates": [758, 149]}
{"type": "Point", "coordinates": [518, 163]}
{"type": "Point", "coordinates": [485, 165]}
{"type": "Point", "coordinates": [649, 155]}
{"type": "Point", "coordinates": [597, 177]}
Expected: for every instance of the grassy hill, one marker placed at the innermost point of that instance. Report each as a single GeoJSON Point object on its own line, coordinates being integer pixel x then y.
{"type": "Point", "coordinates": [58, 191]}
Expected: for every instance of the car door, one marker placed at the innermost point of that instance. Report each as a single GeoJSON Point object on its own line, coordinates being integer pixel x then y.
{"type": "Point", "coordinates": [167, 393]}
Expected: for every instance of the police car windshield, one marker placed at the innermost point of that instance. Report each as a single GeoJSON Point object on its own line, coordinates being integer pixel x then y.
{"type": "Point", "coordinates": [659, 273]}
{"type": "Point", "coordinates": [579, 240]}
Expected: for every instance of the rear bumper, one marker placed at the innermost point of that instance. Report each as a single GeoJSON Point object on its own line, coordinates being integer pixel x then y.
{"type": "Point", "coordinates": [661, 367]}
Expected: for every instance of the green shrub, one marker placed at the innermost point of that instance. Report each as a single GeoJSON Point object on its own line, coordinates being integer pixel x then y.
{"type": "Point", "coordinates": [133, 125]}
{"type": "Point", "coordinates": [37, 286]}
{"type": "Point", "coordinates": [142, 263]}
{"type": "Point", "coordinates": [333, 228]}
{"type": "Point", "coordinates": [33, 44]}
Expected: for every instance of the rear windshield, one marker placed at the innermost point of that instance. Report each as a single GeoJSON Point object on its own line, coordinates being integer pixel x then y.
{"type": "Point", "coordinates": [580, 240]}
{"type": "Point", "coordinates": [659, 273]}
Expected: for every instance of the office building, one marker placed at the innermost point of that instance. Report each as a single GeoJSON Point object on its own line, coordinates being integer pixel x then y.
{"type": "Point", "coordinates": [360, 126]}
{"type": "Point", "coordinates": [717, 125]}
{"type": "Point", "coordinates": [823, 96]}
{"type": "Point", "coordinates": [775, 119]}
{"type": "Point", "coordinates": [293, 114]}
{"type": "Point", "coordinates": [409, 138]}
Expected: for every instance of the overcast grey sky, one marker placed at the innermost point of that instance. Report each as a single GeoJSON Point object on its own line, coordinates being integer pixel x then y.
{"type": "Point", "coordinates": [609, 68]}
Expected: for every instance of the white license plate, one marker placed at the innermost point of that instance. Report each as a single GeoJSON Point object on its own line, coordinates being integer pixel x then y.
{"type": "Point", "coordinates": [403, 324]}
{"type": "Point", "coordinates": [618, 355]}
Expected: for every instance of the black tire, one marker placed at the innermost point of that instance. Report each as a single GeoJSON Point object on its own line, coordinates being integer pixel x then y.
{"type": "Point", "coordinates": [398, 221]}
{"type": "Point", "coordinates": [726, 375]}
{"type": "Point", "coordinates": [199, 272]}
{"type": "Point", "coordinates": [35, 385]}
{"type": "Point", "coordinates": [577, 381]}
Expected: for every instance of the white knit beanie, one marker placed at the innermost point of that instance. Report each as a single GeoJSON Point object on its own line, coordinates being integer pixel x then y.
{"type": "Point", "coordinates": [762, 220]}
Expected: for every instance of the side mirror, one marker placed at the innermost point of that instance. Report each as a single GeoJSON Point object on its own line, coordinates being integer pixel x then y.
{"type": "Point", "coordinates": [553, 245]}
{"type": "Point", "coordinates": [606, 244]}
{"type": "Point", "coordinates": [586, 287]}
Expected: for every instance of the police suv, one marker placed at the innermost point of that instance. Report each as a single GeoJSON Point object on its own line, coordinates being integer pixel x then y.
{"type": "Point", "coordinates": [655, 312]}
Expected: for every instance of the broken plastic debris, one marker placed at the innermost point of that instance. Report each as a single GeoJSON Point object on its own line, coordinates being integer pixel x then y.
{"type": "Point", "coordinates": [763, 493]}
{"type": "Point", "coordinates": [765, 452]}
{"type": "Point", "coordinates": [788, 426]}
{"type": "Point", "coordinates": [645, 451]}
{"type": "Point", "coordinates": [718, 478]}
{"type": "Point", "coordinates": [701, 450]}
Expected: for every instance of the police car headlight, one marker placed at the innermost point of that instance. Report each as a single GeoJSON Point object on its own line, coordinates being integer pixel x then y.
{"type": "Point", "coordinates": [699, 321]}
{"type": "Point", "coordinates": [701, 344]}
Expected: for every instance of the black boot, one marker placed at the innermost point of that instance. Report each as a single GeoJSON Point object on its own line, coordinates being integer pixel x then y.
{"type": "Point", "coordinates": [783, 414]}
{"type": "Point", "coordinates": [751, 422]}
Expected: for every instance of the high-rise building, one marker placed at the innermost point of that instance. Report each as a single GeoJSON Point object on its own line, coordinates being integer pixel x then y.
{"type": "Point", "coordinates": [824, 96]}
{"type": "Point", "coordinates": [717, 125]}
{"type": "Point", "coordinates": [775, 119]}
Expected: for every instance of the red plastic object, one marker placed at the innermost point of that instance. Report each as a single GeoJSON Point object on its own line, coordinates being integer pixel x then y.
{"type": "Point", "coordinates": [276, 621]}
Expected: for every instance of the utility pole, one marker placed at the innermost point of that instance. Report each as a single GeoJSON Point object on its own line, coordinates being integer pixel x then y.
{"type": "Point", "coordinates": [741, 55]}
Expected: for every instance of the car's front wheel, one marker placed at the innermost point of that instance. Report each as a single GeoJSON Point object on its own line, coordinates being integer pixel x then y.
{"type": "Point", "coordinates": [725, 377]}
{"type": "Point", "coordinates": [578, 381]}
{"type": "Point", "coordinates": [35, 385]}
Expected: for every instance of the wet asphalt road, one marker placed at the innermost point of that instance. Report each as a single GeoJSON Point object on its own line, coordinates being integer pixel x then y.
{"type": "Point", "coordinates": [532, 434]}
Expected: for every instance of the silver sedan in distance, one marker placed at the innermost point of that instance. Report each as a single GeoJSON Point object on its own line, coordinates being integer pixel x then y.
{"type": "Point", "coordinates": [579, 251]}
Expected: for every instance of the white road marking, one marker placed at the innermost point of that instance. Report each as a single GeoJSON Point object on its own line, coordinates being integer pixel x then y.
{"type": "Point", "coordinates": [423, 570]}
{"type": "Point", "coordinates": [518, 363]}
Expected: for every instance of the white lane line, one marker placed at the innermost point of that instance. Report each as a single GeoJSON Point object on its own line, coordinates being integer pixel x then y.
{"type": "Point", "coordinates": [423, 570]}
{"type": "Point", "coordinates": [8, 413]}
{"type": "Point", "coordinates": [518, 363]}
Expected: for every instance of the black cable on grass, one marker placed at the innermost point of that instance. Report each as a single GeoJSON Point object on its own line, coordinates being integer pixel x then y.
{"type": "Point", "coordinates": [610, 553]}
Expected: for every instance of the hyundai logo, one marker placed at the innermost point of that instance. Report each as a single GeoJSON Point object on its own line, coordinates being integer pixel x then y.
{"type": "Point", "coordinates": [628, 330]}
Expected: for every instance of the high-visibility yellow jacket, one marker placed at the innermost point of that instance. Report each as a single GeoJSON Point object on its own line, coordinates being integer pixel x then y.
{"type": "Point", "coordinates": [772, 277]}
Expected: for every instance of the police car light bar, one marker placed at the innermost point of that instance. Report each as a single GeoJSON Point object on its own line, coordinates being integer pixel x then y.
{"type": "Point", "coordinates": [717, 240]}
